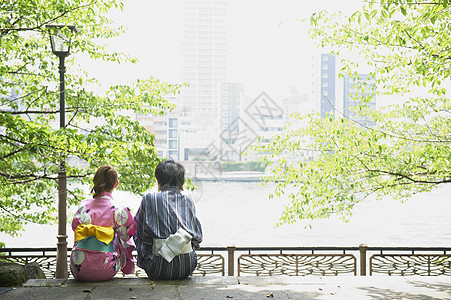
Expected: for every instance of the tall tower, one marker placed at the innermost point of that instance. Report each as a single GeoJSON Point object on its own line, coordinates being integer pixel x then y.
{"type": "Point", "coordinates": [204, 53]}
{"type": "Point", "coordinates": [327, 94]}
{"type": "Point", "coordinates": [324, 83]}
{"type": "Point", "coordinates": [230, 124]}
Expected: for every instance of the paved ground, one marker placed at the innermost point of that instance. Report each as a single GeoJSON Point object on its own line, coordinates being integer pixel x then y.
{"type": "Point", "coordinates": [218, 287]}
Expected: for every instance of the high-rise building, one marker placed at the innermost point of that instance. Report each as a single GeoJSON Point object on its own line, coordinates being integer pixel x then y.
{"type": "Point", "coordinates": [230, 123]}
{"type": "Point", "coordinates": [204, 53]}
{"type": "Point", "coordinates": [338, 97]}
{"type": "Point", "coordinates": [327, 85]}
{"type": "Point", "coordinates": [173, 138]}
{"type": "Point", "coordinates": [230, 107]}
{"type": "Point", "coordinates": [166, 129]}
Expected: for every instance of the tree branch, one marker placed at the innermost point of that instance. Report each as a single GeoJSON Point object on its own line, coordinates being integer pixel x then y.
{"type": "Point", "coordinates": [14, 152]}
{"type": "Point", "coordinates": [5, 31]}
{"type": "Point", "coordinates": [33, 177]}
{"type": "Point", "coordinates": [408, 177]}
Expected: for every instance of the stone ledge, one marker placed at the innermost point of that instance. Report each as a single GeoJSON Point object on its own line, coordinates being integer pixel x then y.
{"type": "Point", "coordinates": [244, 287]}
{"type": "Point", "coordinates": [44, 282]}
{"type": "Point", "coordinates": [195, 280]}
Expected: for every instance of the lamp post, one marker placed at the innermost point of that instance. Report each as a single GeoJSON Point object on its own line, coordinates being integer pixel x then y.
{"type": "Point", "coordinates": [60, 36]}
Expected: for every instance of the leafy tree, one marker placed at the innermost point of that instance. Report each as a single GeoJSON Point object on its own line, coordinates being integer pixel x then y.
{"type": "Point", "coordinates": [407, 47]}
{"type": "Point", "coordinates": [99, 129]}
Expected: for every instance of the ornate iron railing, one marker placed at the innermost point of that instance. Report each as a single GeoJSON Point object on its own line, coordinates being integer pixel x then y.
{"type": "Point", "coordinates": [403, 261]}
{"type": "Point", "coordinates": [291, 261]}
{"type": "Point", "coordinates": [296, 261]}
{"type": "Point", "coordinates": [208, 263]}
{"type": "Point", "coordinates": [297, 264]}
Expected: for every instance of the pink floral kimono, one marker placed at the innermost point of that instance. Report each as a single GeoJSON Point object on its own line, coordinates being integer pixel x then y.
{"type": "Point", "coordinates": [102, 240]}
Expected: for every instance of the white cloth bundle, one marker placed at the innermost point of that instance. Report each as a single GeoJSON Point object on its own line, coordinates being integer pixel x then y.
{"type": "Point", "coordinates": [176, 244]}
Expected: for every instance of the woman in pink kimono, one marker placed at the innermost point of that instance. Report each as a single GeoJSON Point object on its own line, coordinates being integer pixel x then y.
{"type": "Point", "coordinates": [102, 233]}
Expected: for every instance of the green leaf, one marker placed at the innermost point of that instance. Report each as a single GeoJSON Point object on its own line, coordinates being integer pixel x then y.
{"type": "Point", "coordinates": [433, 19]}
{"type": "Point", "coordinates": [403, 10]}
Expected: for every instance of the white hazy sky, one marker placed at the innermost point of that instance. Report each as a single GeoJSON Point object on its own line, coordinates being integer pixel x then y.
{"type": "Point", "coordinates": [269, 49]}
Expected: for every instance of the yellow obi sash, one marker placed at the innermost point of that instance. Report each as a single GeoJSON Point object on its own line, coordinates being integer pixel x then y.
{"type": "Point", "coordinates": [93, 237]}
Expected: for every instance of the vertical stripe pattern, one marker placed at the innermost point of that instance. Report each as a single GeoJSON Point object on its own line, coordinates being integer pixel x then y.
{"type": "Point", "coordinates": [160, 215]}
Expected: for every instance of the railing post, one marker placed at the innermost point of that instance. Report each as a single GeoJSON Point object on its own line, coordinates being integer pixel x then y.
{"type": "Point", "coordinates": [231, 260]}
{"type": "Point", "coordinates": [363, 248]}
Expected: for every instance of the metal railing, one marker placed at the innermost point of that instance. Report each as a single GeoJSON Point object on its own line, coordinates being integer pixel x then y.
{"type": "Point", "coordinates": [294, 261]}
{"type": "Point", "coordinates": [291, 261]}
{"type": "Point", "coordinates": [405, 261]}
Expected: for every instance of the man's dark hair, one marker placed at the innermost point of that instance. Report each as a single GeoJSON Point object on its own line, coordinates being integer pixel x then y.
{"type": "Point", "coordinates": [170, 173]}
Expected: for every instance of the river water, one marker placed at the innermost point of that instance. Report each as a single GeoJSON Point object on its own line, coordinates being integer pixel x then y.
{"type": "Point", "coordinates": [241, 214]}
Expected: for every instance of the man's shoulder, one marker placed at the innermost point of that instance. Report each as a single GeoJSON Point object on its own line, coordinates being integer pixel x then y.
{"type": "Point", "coordinates": [151, 195]}
{"type": "Point", "coordinates": [169, 195]}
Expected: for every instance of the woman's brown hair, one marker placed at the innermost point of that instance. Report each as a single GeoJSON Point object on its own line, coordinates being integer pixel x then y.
{"type": "Point", "coordinates": [104, 180]}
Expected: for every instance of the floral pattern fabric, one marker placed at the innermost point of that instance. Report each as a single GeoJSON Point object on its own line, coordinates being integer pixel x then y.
{"type": "Point", "coordinates": [93, 265]}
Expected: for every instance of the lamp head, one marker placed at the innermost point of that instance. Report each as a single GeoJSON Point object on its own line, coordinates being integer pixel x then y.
{"type": "Point", "coordinates": [60, 36]}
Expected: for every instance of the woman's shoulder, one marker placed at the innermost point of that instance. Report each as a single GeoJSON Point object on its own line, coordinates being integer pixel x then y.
{"type": "Point", "coordinates": [84, 203]}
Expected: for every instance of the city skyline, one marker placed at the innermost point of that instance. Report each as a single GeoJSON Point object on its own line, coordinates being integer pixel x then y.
{"type": "Point", "coordinates": [262, 46]}
{"type": "Point", "coordinates": [269, 49]}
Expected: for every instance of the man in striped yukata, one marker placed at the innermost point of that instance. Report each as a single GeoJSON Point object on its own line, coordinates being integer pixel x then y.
{"type": "Point", "coordinates": [167, 229]}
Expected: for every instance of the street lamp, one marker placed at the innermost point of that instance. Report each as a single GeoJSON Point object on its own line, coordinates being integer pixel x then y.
{"type": "Point", "coordinates": [60, 36]}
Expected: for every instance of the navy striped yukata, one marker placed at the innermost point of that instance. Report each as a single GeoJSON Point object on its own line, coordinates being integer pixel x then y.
{"type": "Point", "coordinates": [160, 215]}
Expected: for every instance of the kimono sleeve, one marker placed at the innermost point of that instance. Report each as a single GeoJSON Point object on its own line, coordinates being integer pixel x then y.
{"type": "Point", "coordinates": [125, 228]}
{"type": "Point", "coordinates": [124, 223]}
{"type": "Point", "coordinates": [194, 227]}
{"type": "Point", "coordinates": [139, 219]}
{"type": "Point", "coordinates": [81, 217]}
